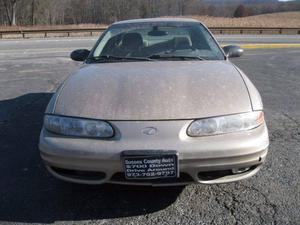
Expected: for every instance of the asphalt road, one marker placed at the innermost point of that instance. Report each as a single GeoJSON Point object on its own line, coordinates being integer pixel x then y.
{"type": "Point", "coordinates": [69, 44]}
{"type": "Point", "coordinates": [28, 194]}
{"type": "Point", "coordinates": [242, 39]}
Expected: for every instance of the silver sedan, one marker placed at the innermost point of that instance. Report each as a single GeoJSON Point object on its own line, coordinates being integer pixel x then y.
{"type": "Point", "coordinates": [156, 102]}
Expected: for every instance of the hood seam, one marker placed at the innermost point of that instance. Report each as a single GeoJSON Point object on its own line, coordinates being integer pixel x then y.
{"type": "Point", "coordinates": [59, 91]}
{"type": "Point", "coordinates": [241, 75]}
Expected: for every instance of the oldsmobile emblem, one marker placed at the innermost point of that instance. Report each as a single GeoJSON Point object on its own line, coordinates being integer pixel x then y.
{"type": "Point", "coordinates": [149, 131]}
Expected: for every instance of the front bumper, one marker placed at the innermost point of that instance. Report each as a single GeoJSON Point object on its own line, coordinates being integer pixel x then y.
{"type": "Point", "coordinates": [206, 160]}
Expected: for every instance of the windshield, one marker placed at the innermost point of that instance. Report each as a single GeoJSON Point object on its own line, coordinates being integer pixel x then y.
{"type": "Point", "coordinates": [159, 41]}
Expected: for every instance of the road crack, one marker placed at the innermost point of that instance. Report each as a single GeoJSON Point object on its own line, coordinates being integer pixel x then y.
{"type": "Point", "coordinates": [230, 208]}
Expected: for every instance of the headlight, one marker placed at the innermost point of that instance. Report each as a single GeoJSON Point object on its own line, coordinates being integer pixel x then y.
{"type": "Point", "coordinates": [225, 124]}
{"type": "Point", "coordinates": [78, 127]}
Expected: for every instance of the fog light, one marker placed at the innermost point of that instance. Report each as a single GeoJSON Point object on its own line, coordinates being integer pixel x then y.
{"type": "Point", "coordinates": [240, 170]}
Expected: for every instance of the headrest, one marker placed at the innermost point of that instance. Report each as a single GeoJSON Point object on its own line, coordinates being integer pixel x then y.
{"type": "Point", "coordinates": [182, 43]}
{"type": "Point", "coordinates": [132, 40]}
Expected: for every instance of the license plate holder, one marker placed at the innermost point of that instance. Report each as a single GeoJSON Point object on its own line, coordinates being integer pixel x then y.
{"type": "Point", "coordinates": [150, 164]}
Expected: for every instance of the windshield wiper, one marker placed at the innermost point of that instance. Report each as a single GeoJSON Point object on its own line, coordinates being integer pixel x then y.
{"type": "Point", "coordinates": [111, 57]}
{"type": "Point", "coordinates": [182, 57]}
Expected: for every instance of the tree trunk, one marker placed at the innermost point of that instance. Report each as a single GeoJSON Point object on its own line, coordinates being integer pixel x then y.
{"type": "Point", "coordinates": [180, 6]}
{"type": "Point", "coordinates": [6, 6]}
{"type": "Point", "coordinates": [13, 12]}
{"type": "Point", "coordinates": [32, 12]}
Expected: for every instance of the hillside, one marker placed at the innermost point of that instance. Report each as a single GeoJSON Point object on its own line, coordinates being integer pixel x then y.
{"type": "Point", "coordinates": [239, 1]}
{"type": "Point", "coordinates": [284, 19]}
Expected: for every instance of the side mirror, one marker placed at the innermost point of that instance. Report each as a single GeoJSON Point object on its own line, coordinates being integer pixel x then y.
{"type": "Point", "coordinates": [80, 54]}
{"type": "Point", "coordinates": [232, 51]}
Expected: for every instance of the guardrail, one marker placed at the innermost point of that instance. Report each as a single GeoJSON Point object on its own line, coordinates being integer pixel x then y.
{"type": "Point", "coordinates": [45, 32]}
{"type": "Point", "coordinates": [91, 31]}
{"type": "Point", "coordinates": [255, 30]}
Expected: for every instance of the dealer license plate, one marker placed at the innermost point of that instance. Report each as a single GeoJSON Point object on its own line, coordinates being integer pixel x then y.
{"type": "Point", "coordinates": [151, 166]}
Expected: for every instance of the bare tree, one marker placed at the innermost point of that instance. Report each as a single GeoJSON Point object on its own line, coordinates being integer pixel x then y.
{"type": "Point", "coordinates": [32, 11]}
{"type": "Point", "coordinates": [35, 12]}
{"type": "Point", "coordinates": [240, 11]}
{"type": "Point", "coordinates": [11, 10]}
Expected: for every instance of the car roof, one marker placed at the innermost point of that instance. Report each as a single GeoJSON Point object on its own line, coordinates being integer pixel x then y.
{"type": "Point", "coordinates": [151, 20]}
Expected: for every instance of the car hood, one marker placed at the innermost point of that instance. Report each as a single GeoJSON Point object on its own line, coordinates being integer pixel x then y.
{"type": "Point", "coordinates": [158, 90]}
